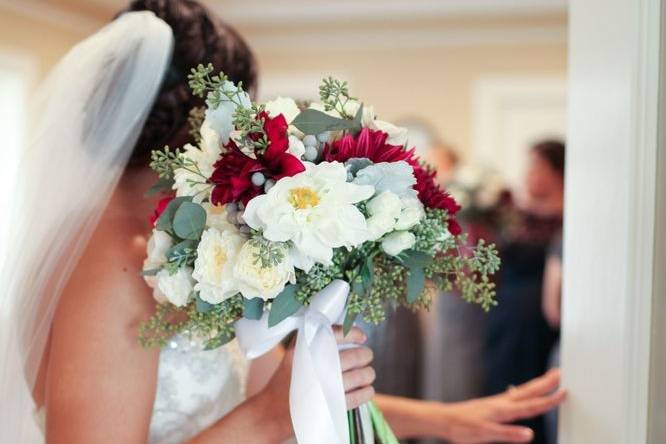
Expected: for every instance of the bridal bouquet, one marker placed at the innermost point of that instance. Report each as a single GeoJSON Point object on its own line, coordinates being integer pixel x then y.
{"type": "Point", "coordinates": [295, 216]}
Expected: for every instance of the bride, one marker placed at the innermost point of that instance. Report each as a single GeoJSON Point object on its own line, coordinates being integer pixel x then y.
{"type": "Point", "coordinates": [71, 360]}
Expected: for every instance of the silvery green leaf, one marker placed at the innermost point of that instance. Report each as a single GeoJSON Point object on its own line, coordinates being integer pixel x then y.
{"type": "Point", "coordinates": [415, 283]}
{"type": "Point", "coordinates": [189, 221]}
{"type": "Point", "coordinates": [413, 258]}
{"type": "Point", "coordinates": [218, 341]}
{"type": "Point", "coordinates": [201, 305]}
{"type": "Point", "coordinates": [312, 121]}
{"type": "Point", "coordinates": [284, 305]}
{"type": "Point", "coordinates": [151, 272]}
{"type": "Point", "coordinates": [162, 184]}
{"type": "Point", "coordinates": [253, 308]}
{"type": "Point", "coordinates": [165, 221]}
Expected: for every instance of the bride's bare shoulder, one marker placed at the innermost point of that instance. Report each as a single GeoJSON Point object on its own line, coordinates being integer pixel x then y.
{"type": "Point", "coordinates": [99, 377]}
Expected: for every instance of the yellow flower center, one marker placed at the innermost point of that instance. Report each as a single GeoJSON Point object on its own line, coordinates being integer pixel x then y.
{"type": "Point", "coordinates": [303, 197]}
{"type": "Point", "coordinates": [219, 258]}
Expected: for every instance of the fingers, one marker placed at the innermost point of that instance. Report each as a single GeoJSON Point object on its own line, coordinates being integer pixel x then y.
{"type": "Point", "coordinates": [492, 432]}
{"type": "Point", "coordinates": [355, 358]}
{"type": "Point", "coordinates": [537, 386]}
{"type": "Point", "coordinates": [358, 378]}
{"type": "Point", "coordinates": [536, 406]}
{"type": "Point", "coordinates": [355, 335]}
{"type": "Point", "coordinates": [359, 397]}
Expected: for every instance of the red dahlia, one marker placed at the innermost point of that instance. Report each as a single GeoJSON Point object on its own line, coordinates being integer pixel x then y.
{"type": "Point", "coordinates": [233, 171]}
{"type": "Point", "coordinates": [372, 145]}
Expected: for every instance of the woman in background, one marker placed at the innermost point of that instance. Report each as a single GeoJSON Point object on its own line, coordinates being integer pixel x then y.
{"type": "Point", "coordinates": [518, 337]}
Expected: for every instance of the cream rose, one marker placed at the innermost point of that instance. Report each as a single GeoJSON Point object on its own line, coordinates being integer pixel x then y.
{"type": "Point", "coordinates": [213, 268]}
{"type": "Point", "coordinates": [397, 242]}
{"type": "Point", "coordinates": [411, 214]}
{"type": "Point", "coordinates": [176, 288]}
{"type": "Point", "coordinates": [257, 281]}
{"type": "Point", "coordinates": [285, 106]}
{"type": "Point", "coordinates": [384, 210]}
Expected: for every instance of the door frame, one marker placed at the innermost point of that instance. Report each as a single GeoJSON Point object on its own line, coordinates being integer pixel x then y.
{"type": "Point", "coordinates": [613, 323]}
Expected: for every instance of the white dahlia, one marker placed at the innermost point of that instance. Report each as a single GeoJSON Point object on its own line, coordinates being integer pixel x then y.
{"type": "Point", "coordinates": [213, 268]}
{"type": "Point", "coordinates": [314, 210]}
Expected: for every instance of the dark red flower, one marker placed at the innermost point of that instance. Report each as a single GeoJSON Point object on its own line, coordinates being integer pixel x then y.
{"type": "Point", "coordinates": [233, 171]}
{"type": "Point", "coordinates": [160, 207]}
{"type": "Point", "coordinates": [372, 145]}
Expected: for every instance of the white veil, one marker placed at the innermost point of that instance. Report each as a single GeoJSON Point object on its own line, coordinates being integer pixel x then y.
{"type": "Point", "coordinates": [85, 121]}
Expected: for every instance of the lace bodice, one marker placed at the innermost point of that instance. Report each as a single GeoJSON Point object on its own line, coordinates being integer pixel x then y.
{"type": "Point", "coordinates": [195, 388]}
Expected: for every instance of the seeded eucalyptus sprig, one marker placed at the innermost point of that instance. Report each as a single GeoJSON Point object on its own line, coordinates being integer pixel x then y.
{"type": "Point", "coordinates": [334, 94]}
{"type": "Point", "coordinates": [270, 254]}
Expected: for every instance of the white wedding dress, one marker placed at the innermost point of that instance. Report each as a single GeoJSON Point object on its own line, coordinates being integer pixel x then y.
{"type": "Point", "coordinates": [195, 388]}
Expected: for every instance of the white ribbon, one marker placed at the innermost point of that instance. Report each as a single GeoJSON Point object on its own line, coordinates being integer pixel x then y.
{"type": "Point", "coordinates": [316, 396]}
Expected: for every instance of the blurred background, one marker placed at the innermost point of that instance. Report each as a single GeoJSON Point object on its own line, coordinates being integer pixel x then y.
{"type": "Point", "coordinates": [481, 85]}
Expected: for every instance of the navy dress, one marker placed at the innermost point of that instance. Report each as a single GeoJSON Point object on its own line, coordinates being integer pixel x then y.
{"type": "Point", "coordinates": [518, 339]}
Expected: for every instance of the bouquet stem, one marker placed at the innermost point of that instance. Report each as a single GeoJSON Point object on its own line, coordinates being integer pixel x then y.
{"type": "Point", "coordinates": [367, 425]}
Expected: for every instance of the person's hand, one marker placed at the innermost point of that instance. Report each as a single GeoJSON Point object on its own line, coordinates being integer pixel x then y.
{"type": "Point", "coordinates": [484, 420]}
{"type": "Point", "coordinates": [357, 378]}
{"type": "Point", "coordinates": [357, 374]}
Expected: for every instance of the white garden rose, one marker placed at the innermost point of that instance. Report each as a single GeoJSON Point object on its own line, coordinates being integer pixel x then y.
{"type": "Point", "coordinates": [220, 119]}
{"type": "Point", "coordinates": [397, 135]}
{"type": "Point", "coordinates": [258, 281]}
{"type": "Point", "coordinates": [217, 217]}
{"type": "Point", "coordinates": [213, 267]}
{"type": "Point", "coordinates": [210, 139]}
{"type": "Point", "coordinates": [158, 244]}
{"type": "Point", "coordinates": [283, 105]}
{"type": "Point", "coordinates": [177, 288]}
{"type": "Point", "coordinates": [397, 242]}
{"type": "Point", "coordinates": [314, 210]}
{"type": "Point", "coordinates": [411, 214]}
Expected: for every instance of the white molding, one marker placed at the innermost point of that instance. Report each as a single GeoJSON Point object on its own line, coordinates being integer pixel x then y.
{"type": "Point", "coordinates": [510, 113]}
{"type": "Point", "coordinates": [53, 15]}
{"type": "Point", "coordinates": [610, 225]}
{"type": "Point", "coordinates": [318, 11]}
{"type": "Point", "coordinates": [411, 38]}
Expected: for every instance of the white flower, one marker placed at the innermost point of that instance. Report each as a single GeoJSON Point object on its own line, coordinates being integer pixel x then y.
{"type": "Point", "coordinates": [313, 209]}
{"type": "Point", "coordinates": [210, 139]}
{"type": "Point", "coordinates": [397, 177]}
{"type": "Point", "coordinates": [176, 288]}
{"type": "Point", "coordinates": [256, 281]}
{"type": "Point", "coordinates": [296, 147]}
{"type": "Point", "coordinates": [411, 214]}
{"type": "Point", "coordinates": [384, 210]}
{"type": "Point", "coordinates": [397, 242]}
{"type": "Point", "coordinates": [283, 105]}
{"type": "Point", "coordinates": [217, 217]}
{"type": "Point", "coordinates": [188, 181]}
{"type": "Point", "coordinates": [213, 268]}
{"type": "Point", "coordinates": [158, 244]}
{"type": "Point", "coordinates": [396, 135]}
{"type": "Point", "coordinates": [221, 118]}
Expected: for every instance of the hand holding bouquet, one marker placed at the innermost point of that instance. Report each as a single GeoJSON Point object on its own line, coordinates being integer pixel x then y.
{"type": "Point", "coordinates": [294, 216]}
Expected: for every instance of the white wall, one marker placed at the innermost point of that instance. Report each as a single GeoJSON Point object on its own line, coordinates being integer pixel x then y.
{"type": "Point", "coordinates": [611, 225]}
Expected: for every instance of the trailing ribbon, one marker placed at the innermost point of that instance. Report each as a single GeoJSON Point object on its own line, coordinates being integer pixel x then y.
{"type": "Point", "coordinates": [316, 395]}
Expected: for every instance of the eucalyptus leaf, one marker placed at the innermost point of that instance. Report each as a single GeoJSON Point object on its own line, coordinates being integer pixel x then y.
{"type": "Point", "coordinates": [284, 305]}
{"type": "Point", "coordinates": [165, 221]}
{"type": "Point", "coordinates": [180, 248]}
{"type": "Point", "coordinates": [189, 221]}
{"type": "Point", "coordinates": [348, 322]}
{"type": "Point", "coordinates": [312, 121]}
{"type": "Point", "coordinates": [358, 121]}
{"type": "Point", "coordinates": [201, 305]}
{"type": "Point", "coordinates": [163, 184]}
{"type": "Point", "coordinates": [413, 258]}
{"type": "Point", "coordinates": [415, 283]}
{"type": "Point", "coordinates": [253, 308]}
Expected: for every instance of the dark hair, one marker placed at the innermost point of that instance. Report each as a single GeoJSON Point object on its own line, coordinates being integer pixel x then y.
{"type": "Point", "coordinates": [553, 152]}
{"type": "Point", "coordinates": [199, 37]}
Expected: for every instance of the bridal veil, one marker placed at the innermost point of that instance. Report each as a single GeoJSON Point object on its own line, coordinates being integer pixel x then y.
{"type": "Point", "coordinates": [83, 125]}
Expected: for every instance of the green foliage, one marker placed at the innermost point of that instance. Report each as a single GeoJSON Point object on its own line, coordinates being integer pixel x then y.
{"type": "Point", "coordinates": [334, 94]}
{"type": "Point", "coordinates": [284, 305]}
{"type": "Point", "coordinates": [161, 186]}
{"type": "Point", "coordinates": [253, 308]}
{"type": "Point", "coordinates": [270, 254]}
{"type": "Point", "coordinates": [212, 87]}
{"type": "Point", "coordinates": [166, 162]}
{"type": "Point", "coordinates": [215, 324]}
{"type": "Point", "coordinates": [312, 121]}
{"type": "Point", "coordinates": [189, 221]}
{"type": "Point", "coordinates": [182, 254]}
{"type": "Point", "coordinates": [165, 221]}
